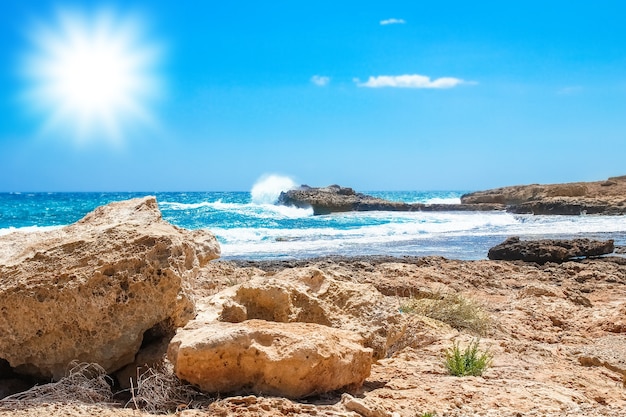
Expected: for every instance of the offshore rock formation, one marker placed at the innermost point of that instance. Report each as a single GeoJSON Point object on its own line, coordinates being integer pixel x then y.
{"type": "Point", "coordinates": [334, 199]}
{"type": "Point", "coordinates": [601, 197]}
{"type": "Point", "coordinates": [549, 250]}
{"type": "Point", "coordinates": [292, 360]}
{"type": "Point", "coordinates": [89, 291]}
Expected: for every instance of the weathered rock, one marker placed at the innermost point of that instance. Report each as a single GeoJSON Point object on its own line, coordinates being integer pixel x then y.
{"type": "Point", "coordinates": [608, 351]}
{"type": "Point", "coordinates": [308, 295]}
{"type": "Point", "coordinates": [89, 291]}
{"type": "Point", "coordinates": [292, 360]}
{"type": "Point", "coordinates": [548, 250]}
{"type": "Point", "coordinates": [600, 197]}
{"type": "Point", "coordinates": [566, 207]}
{"type": "Point", "coordinates": [334, 199]}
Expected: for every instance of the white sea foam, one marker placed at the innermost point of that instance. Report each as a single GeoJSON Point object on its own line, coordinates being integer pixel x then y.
{"type": "Point", "coordinates": [261, 211]}
{"type": "Point", "coordinates": [185, 206]}
{"type": "Point", "coordinates": [441, 200]}
{"type": "Point", "coordinates": [387, 232]}
{"type": "Point", "coordinates": [27, 229]}
{"type": "Point", "coordinates": [267, 189]}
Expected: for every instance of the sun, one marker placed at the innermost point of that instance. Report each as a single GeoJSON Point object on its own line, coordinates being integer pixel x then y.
{"type": "Point", "coordinates": [92, 77]}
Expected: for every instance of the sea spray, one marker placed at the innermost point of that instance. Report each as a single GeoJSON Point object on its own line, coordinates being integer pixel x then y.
{"type": "Point", "coordinates": [268, 188]}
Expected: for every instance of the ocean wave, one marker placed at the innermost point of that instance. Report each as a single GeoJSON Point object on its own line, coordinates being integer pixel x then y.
{"type": "Point", "coordinates": [27, 229]}
{"type": "Point", "coordinates": [172, 205]}
{"type": "Point", "coordinates": [469, 234]}
{"type": "Point", "coordinates": [268, 188]}
{"type": "Point", "coordinates": [443, 200]}
{"type": "Point", "coordinates": [263, 211]}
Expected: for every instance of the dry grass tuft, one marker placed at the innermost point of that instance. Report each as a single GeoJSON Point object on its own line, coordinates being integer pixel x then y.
{"type": "Point", "coordinates": [159, 391]}
{"type": "Point", "coordinates": [85, 383]}
{"type": "Point", "coordinates": [458, 311]}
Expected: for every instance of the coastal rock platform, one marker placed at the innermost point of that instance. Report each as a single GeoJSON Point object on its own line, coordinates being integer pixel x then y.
{"type": "Point", "coordinates": [556, 334]}
{"type": "Point", "coordinates": [599, 197]}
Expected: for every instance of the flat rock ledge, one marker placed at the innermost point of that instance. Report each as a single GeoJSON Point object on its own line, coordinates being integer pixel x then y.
{"type": "Point", "coordinates": [600, 197]}
{"type": "Point", "coordinates": [90, 291]}
{"type": "Point", "coordinates": [336, 199]}
{"type": "Point", "coordinates": [549, 250]}
{"type": "Point", "coordinates": [292, 360]}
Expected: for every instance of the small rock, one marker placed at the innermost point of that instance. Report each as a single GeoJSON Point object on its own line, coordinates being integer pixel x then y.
{"type": "Point", "coordinates": [548, 250]}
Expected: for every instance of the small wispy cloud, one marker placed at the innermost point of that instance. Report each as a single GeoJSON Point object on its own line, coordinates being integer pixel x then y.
{"type": "Point", "coordinates": [392, 22]}
{"type": "Point", "coordinates": [411, 81]}
{"type": "Point", "coordinates": [320, 80]}
{"type": "Point", "coordinates": [570, 90]}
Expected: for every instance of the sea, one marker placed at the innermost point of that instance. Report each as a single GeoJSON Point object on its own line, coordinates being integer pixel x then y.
{"type": "Point", "coordinates": [251, 226]}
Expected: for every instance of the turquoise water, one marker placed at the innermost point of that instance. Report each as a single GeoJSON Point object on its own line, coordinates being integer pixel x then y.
{"type": "Point", "coordinates": [250, 226]}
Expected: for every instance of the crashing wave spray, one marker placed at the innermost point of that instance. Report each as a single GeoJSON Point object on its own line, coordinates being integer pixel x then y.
{"type": "Point", "coordinates": [268, 188]}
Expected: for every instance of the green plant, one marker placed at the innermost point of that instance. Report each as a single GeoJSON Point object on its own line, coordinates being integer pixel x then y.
{"type": "Point", "coordinates": [428, 414]}
{"type": "Point", "coordinates": [470, 361]}
{"type": "Point", "coordinates": [458, 311]}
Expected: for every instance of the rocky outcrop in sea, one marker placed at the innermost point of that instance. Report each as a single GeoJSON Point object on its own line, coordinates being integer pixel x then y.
{"type": "Point", "coordinates": [602, 197]}
{"type": "Point", "coordinates": [335, 199]}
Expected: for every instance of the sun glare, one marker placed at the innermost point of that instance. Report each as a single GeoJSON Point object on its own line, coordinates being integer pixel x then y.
{"type": "Point", "coordinates": [92, 77]}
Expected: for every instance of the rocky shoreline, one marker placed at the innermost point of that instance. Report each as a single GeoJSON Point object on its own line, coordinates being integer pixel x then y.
{"type": "Point", "coordinates": [335, 336]}
{"type": "Point", "coordinates": [601, 197]}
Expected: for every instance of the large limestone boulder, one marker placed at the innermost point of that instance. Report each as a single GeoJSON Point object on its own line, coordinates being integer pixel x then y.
{"type": "Point", "coordinates": [89, 291]}
{"type": "Point", "coordinates": [292, 360]}
{"type": "Point", "coordinates": [309, 295]}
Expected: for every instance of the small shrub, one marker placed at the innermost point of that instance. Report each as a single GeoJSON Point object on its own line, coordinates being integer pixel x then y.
{"type": "Point", "coordinates": [458, 311]}
{"type": "Point", "coordinates": [428, 414]}
{"type": "Point", "coordinates": [470, 362]}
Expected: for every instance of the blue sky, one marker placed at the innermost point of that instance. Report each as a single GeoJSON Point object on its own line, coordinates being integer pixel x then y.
{"type": "Point", "coordinates": [393, 95]}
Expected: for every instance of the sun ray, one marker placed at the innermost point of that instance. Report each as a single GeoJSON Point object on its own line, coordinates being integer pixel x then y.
{"type": "Point", "coordinates": [92, 77]}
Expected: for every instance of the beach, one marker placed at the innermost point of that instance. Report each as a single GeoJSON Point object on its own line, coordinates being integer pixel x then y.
{"type": "Point", "coordinates": [554, 332]}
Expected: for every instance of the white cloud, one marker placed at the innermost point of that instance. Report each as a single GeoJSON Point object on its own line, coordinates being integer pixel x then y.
{"type": "Point", "coordinates": [392, 22]}
{"type": "Point", "coordinates": [411, 81]}
{"type": "Point", "coordinates": [570, 90]}
{"type": "Point", "coordinates": [320, 80]}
